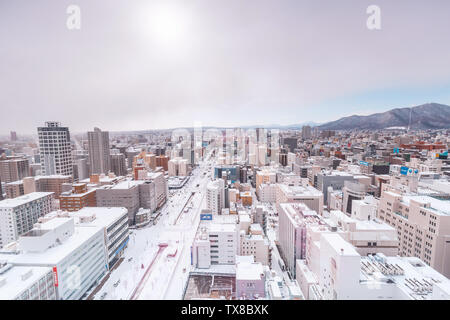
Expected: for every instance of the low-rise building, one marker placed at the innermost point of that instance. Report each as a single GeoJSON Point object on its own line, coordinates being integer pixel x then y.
{"type": "Point", "coordinates": [300, 194]}
{"type": "Point", "coordinates": [78, 198]}
{"type": "Point", "coordinates": [77, 255]}
{"type": "Point", "coordinates": [113, 221]}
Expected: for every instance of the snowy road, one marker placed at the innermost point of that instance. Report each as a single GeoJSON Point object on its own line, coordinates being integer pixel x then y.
{"type": "Point", "coordinates": [177, 227]}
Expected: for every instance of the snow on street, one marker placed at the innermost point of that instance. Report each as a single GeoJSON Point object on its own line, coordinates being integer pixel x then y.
{"type": "Point", "coordinates": [176, 227]}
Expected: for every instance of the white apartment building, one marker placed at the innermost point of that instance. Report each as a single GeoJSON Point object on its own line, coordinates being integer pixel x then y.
{"type": "Point", "coordinates": [290, 159]}
{"type": "Point", "coordinates": [215, 196]}
{"type": "Point", "coordinates": [18, 215]}
{"type": "Point", "coordinates": [367, 236]}
{"type": "Point", "coordinates": [55, 149]}
{"type": "Point", "coordinates": [77, 255]}
{"type": "Point", "coordinates": [292, 221]}
{"type": "Point", "coordinates": [423, 226]}
{"type": "Point", "coordinates": [262, 155]}
{"type": "Point", "coordinates": [300, 230]}
{"type": "Point", "coordinates": [343, 274]}
{"type": "Point", "coordinates": [26, 283]}
{"type": "Point", "coordinates": [216, 242]}
{"type": "Point", "coordinates": [267, 192]}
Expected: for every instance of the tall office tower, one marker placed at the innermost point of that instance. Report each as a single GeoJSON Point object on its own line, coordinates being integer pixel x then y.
{"type": "Point", "coordinates": [13, 168]}
{"type": "Point", "coordinates": [118, 164]}
{"type": "Point", "coordinates": [13, 136]}
{"type": "Point", "coordinates": [1, 189]}
{"type": "Point", "coordinates": [306, 132]}
{"type": "Point", "coordinates": [291, 143]}
{"type": "Point", "coordinates": [262, 136]}
{"type": "Point", "coordinates": [99, 157]}
{"type": "Point", "coordinates": [55, 149]}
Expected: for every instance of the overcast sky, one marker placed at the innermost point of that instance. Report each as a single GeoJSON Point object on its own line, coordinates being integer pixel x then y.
{"type": "Point", "coordinates": [163, 64]}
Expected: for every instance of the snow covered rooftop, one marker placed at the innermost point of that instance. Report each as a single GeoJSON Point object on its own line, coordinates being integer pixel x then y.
{"type": "Point", "coordinates": [249, 271]}
{"type": "Point", "coordinates": [12, 203]}
{"type": "Point", "coordinates": [15, 279]}
{"type": "Point", "coordinates": [101, 216]}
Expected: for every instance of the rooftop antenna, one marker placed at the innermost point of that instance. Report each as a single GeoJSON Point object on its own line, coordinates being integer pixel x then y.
{"type": "Point", "coordinates": [410, 115]}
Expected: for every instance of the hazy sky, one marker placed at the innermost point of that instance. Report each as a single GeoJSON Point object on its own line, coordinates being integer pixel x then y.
{"type": "Point", "coordinates": [162, 64]}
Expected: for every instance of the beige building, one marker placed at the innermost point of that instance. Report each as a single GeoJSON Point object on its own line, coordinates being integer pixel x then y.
{"type": "Point", "coordinates": [255, 244]}
{"type": "Point", "coordinates": [13, 168]}
{"type": "Point", "coordinates": [423, 226]}
{"type": "Point", "coordinates": [178, 167]}
{"type": "Point", "coordinates": [37, 184]}
{"type": "Point", "coordinates": [265, 176]}
{"type": "Point", "coordinates": [99, 154]}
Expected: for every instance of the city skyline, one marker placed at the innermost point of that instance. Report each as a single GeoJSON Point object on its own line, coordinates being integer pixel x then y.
{"type": "Point", "coordinates": [161, 65]}
{"type": "Point", "coordinates": [232, 155]}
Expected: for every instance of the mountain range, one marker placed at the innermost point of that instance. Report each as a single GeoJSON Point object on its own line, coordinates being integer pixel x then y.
{"type": "Point", "coordinates": [426, 116]}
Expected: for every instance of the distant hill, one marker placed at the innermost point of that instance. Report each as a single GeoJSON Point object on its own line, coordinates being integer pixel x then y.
{"type": "Point", "coordinates": [426, 116]}
{"type": "Point", "coordinates": [279, 126]}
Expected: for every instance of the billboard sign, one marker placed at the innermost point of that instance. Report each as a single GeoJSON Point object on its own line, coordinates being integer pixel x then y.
{"type": "Point", "coordinates": [206, 216]}
{"type": "Point", "coordinates": [404, 170]}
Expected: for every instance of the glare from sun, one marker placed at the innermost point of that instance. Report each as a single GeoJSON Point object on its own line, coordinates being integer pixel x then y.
{"type": "Point", "coordinates": [165, 24]}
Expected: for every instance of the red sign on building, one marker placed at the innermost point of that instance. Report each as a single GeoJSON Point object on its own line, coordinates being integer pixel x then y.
{"type": "Point", "coordinates": [55, 276]}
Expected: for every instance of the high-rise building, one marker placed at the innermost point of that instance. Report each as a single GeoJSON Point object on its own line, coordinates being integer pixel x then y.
{"type": "Point", "coordinates": [118, 164]}
{"type": "Point", "coordinates": [1, 189]}
{"type": "Point", "coordinates": [13, 168]}
{"type": "Point", "coordinates": [292, 231]}
{"type": "Point", "coordinates": [55, 149]}
{"type": "Point", "coordinates": [13, 136]}
{"type": "Point", "coordinates": [215, 196]}
{"type": "Point", "coordinates": [291, 143]}
{"type": "Point", "coordinates": [99, 157]}
{"type": "Point", "coordinates": [80, 169]}
{"type": "Point", "coordinates": [306, 132]}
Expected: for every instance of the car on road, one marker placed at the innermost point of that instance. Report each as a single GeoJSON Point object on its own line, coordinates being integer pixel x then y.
{"type": "Point", "coordinates": [103, 295]}
{"type": "Point", "coordinates": [130, 259]}
{"type": "Point", "coordinates": [116, 283]}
